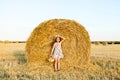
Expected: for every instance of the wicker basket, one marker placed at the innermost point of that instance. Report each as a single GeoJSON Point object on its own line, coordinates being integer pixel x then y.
{"type": "Point", "coordinates": [51, 59]}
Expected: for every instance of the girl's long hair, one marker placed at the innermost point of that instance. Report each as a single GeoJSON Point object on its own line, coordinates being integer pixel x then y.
{"type": "Point", "coordinates": [56, 38]}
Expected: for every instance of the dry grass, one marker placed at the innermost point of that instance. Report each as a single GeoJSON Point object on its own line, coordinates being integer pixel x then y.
{"type": "Point", "coordinates": [7, 50]}
{"type": "Point", "coordinates": [107, 58]}
{"type": "Point", "coordinates": [112, 51]}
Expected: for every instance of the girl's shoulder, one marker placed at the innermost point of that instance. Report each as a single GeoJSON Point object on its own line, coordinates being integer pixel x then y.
{"type": "Point", "coordinates": [56, 43]}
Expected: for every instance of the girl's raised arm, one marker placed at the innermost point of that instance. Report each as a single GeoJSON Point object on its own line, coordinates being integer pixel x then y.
{"type": "Point", "coordinates": [62, 39]}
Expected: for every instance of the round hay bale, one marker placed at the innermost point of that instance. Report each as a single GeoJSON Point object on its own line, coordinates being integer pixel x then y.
{"type": "Point", "coordinates": [7, 41]}
{"type": "Point", "coordinates": [113, 42]}
{"type": "Point", "coordinates": [97, 43]}
{"type": "Point", "coordinates": [105, 43]}
{"type": "Point", "coordinates": [76, 47]}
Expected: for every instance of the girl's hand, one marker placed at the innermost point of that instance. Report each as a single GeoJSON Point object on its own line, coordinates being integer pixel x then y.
{"type": "Point", "coordinates": [50, 55]}
{"type": "Point", "coordinates": [62, 37]}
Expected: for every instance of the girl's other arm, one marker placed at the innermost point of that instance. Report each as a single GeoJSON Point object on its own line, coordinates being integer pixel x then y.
{"type": "Point", "coordinates": [52, 49]}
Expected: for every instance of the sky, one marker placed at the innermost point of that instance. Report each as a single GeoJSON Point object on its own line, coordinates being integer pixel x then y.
{"type": "Point", "coordinates": [101, 18]}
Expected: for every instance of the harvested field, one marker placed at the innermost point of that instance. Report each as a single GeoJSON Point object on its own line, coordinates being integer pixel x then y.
{"type": "Point", "coordinates": [107, 58]}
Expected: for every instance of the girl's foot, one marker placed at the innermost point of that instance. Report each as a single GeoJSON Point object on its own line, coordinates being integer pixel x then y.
{"type": "Point", "coordinates": [58, 69]}
{"type": "Point", "coordinates": [55, 70]}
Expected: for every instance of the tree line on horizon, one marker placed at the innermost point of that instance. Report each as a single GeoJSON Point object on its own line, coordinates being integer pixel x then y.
{"type": "Point", "coordinates": [92, 42]}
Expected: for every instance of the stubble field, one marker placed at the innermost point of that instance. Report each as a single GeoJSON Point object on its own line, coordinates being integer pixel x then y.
{"type": "Point", "coordinates": [106, 57]}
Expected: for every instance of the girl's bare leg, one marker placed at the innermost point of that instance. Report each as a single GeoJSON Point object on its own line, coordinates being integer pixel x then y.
{"type": "Point", "coordinates": [58, 62]}
{"type": "Point", "coordinates": [55, 64]}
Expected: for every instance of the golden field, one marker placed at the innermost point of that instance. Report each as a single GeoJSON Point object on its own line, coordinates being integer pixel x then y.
{"type": "Point", "coordinates": [107, 58]}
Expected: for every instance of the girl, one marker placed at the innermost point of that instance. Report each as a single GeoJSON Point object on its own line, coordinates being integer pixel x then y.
{"type": "Point", "coordinates": [56, 52]}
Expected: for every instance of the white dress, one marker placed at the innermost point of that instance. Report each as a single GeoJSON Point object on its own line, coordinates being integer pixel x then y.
{"type": "Point", "coordinates": [57, 53]}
